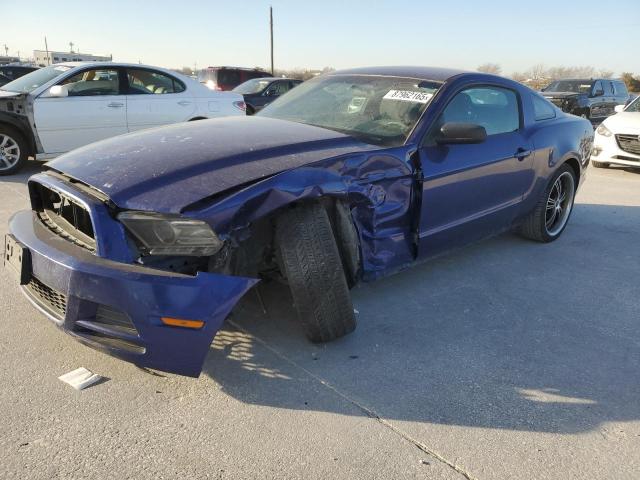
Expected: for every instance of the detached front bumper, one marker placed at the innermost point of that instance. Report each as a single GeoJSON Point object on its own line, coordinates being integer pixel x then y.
{"type": "Point", "coordinates": [117, 307]}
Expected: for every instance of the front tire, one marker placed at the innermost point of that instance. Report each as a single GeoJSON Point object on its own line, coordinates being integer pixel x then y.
{"type": "Point", "coordinates": [13, 150]}
{"type": "Point", "coordinates": [549, 218]}
{"type": "Point", "coordinates": [311, 262]}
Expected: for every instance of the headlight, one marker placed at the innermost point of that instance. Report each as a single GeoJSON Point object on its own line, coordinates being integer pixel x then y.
{"type": "Point", "coordinates": [171, 235]}
{"type": "Point", "coordinates": [604, 131]}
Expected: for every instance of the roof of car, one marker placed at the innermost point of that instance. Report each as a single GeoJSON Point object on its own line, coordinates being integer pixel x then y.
{"type": "Point", "coordinates": [271, 79]}
{"type": "Point", "coordinates": [425, 73]}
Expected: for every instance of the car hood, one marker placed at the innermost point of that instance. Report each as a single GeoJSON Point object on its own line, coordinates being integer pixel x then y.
{"type": "Point", "coordinates": [624, 122]}
{"type": "Point", "coordinates": [165, 169]}
{"type": "Point", "coordinates": [8, 94]}
{"type": "Point", "coordinates": [561, 94]}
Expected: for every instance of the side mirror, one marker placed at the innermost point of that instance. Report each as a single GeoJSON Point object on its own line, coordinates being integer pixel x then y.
{"type": "Point", "coordinates": [619, 108]}
{"type": "Point", "coordinates": [270, 93]}
{"type": "Point", "coordinates": [58, 91]}
{"type": "Point", "coordinates": [598, 93]}
{"type": "Point", "coordinates": [461, 133]}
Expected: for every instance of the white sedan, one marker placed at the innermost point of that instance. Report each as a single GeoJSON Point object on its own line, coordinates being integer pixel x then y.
{"type": "Point", "coordinates": [617, 139]}
{"type": "Point", "coordinates": [64, 106]}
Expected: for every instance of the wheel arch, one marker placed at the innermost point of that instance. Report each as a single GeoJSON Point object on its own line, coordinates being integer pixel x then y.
{"type": "Point", "coordinates": [16, 124]}
{"type": "Point", "coordinates": [575, 166]}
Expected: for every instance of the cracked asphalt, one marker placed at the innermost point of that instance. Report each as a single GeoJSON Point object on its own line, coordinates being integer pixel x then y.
{"type": "Point", "coordinates": [507, 359]}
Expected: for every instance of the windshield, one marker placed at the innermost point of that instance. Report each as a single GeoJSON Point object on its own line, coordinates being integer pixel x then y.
{"type": "Point", "coordinates": [375, 109]}
{"type": "Point", "coordinates": [252, 86]}
{"type": "Point", "coordinates": [633, 106]}
{"type": "Point", "coordinates": [33, 80]}
{"type": "Point", "coordinates": [575, 86]}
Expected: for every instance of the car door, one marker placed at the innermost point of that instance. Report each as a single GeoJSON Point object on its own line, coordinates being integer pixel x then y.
{"type": "Point", "coordinates": [470, 191]}
{"type": "Point", "coordinates": [155, 98]}
{"type": "Point", "coordinates": [273, 91]}
{"type": "Point", "coordinates": [610, 97]}
{"type": "Point", "coordinates": [598, 100]}
{"type": "Point", "coordinates": [89, 107]}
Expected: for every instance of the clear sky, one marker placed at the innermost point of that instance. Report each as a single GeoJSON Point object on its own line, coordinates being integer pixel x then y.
{"type": "Point", "coordinates": [336, 33]}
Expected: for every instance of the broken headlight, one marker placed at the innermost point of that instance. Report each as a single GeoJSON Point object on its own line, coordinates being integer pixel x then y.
{"type": "Point", "coordinates": [171, 235]}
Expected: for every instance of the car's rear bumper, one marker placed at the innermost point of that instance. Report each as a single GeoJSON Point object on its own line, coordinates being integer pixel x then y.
{"type": "Point", "coordinates": [117, 308]}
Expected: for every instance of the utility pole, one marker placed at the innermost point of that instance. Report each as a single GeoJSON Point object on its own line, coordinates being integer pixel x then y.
{"type": "Point", "coordinates": [70, 47]}
{"type": "Point", "coordinates": [271, 28]}
{"type": "Point", "coordinates": [6, 50]}
{"type": "Point", "coordinates": [46, 49]}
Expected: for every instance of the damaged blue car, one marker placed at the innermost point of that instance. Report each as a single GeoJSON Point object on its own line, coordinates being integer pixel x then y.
{"type": "Point", "coordinates": [141, 245]}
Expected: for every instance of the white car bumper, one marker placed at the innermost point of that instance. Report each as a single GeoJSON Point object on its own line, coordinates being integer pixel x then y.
{"type": "Point", "coordinates": [617, 149]}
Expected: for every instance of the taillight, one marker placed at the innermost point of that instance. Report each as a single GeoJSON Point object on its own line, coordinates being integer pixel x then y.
{"type": "Point", "coordinates": [240, 105]}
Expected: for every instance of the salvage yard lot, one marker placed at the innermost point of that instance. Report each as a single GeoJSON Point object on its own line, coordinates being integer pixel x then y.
{"type": "Point", "coordinates": [508, 359]}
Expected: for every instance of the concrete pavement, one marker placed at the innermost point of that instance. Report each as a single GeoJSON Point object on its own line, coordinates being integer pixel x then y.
{"type": "Point", "coordinates": [507, 359]}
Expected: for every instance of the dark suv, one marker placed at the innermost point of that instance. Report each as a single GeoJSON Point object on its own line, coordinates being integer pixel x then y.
{"type": "Point", "coordinates": [260, 92]}
{"type": "Point", "coordinates": [8, 73]}
{"type": "Point", "coordinates": [593, 99]}
{"type": "Point", "coordinates": [227, 78]}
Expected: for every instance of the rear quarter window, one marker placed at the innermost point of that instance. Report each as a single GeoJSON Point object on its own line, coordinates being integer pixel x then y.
{"type": "Point", "coordinates": [542, 109]}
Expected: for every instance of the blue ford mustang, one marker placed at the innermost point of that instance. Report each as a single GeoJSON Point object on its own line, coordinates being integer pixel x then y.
{"type": "Point", "coordinates": [141, 245]}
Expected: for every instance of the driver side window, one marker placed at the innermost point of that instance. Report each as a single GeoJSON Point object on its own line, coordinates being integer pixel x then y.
{"type": "Point", "coordinates": [494, 108]}
{"type": "Point", "coordinates": [93, 82]}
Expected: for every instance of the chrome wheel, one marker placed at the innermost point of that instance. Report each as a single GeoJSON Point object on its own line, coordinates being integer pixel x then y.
{"type": "Point", "coordinates": [559, 203]}
{"type": "Point", "coordinates": [9, 152]}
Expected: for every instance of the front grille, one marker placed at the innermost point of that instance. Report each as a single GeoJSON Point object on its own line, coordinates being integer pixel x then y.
{"type": "Point", "coordinates": [629, 143]}
{"type": "Point", "coordinates": [558, 102]}
{"type": "Point", "coordinates": [65, 217]}
{"type": "Point", "coordinates": [48, 298]}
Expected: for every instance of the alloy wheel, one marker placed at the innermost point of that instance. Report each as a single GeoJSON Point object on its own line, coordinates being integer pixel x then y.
{"type": "Point", "coordinates": [9, 152]}
{"type": "Point", "coordinates": [559, 203]}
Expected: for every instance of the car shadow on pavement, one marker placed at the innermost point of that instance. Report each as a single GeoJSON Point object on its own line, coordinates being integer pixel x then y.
{"type": "Point", "coordinates": [505, 334]}
{"type": "Point", "coordinates": [30, 168]}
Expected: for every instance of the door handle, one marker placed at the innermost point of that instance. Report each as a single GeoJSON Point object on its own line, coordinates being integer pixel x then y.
{"type": "Point", "coordinates": [115, 105]}
{"type": "Point", "coordinates": [522, 153]}
{"type": "Point", "coordinates": [184, 103]}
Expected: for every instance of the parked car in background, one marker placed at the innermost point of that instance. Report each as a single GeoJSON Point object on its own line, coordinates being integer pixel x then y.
{"type": "Point", "coordinates": [227, 78]}
{"type": "Point", "coordinates": [4, 80]}
{"type": "Point", "coordinates": [13, 72]}
{"type": "Point", "coordinates": [260, 92]}
{"type": "Point", "coordinates": [141, 245]}
{"type": "Point", "coordinates": [65, 106]}
{"type": "Point", "coordinates": [593, 99]}
{"type": "Point", "coordinates": [617, 139]}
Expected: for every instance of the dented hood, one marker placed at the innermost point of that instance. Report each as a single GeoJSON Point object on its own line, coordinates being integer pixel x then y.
{"type": "Point", "coordinates": [165, 169]}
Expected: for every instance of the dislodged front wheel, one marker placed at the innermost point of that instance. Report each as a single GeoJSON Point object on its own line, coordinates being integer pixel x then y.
{"type": "Point", "coordinates": [550, 216]}
{"type": "Point", "coordinates": [12, 151]}
{"type": "Point", "coordinates": [311, 262]}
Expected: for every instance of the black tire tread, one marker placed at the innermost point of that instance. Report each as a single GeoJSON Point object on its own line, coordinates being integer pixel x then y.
{"type": "Point", "coordinates": [312, 264]}
{"type": "Point", "coordinates": [533, 226]}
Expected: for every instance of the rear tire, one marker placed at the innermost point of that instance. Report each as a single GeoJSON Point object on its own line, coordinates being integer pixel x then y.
{"type": "Point", "coordinates": [13, 150]}
{"type": "Point", "coordinates": [311, 262]}
{"type": "Point", "coordinates": [600, 164]}
{"type": "Point", "coordinates": [551, 215]}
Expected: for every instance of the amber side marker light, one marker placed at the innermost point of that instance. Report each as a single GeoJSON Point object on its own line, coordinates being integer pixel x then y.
{"type": "Point", "coordinates": [179, 322]}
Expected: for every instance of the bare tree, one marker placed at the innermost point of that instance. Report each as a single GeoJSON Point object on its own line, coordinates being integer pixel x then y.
{"type": "Point", "coordinates": [493, 68]}
{"type": "Point", "coordinates": [604, 73]}
{"type": "Point", "coordinates": [519, 76]}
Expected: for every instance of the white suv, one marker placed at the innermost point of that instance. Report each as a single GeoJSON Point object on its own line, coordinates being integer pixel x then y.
{"type": "Point", "coordinates": [61, 107]}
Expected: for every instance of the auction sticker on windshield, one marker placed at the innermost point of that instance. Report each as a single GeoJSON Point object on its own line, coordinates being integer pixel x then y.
{"type": "Point", "coordinates": [408, 96]}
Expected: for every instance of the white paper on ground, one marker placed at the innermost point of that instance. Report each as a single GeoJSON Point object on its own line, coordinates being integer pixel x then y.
{"type": "Point", "coordinates": [80, 378]}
